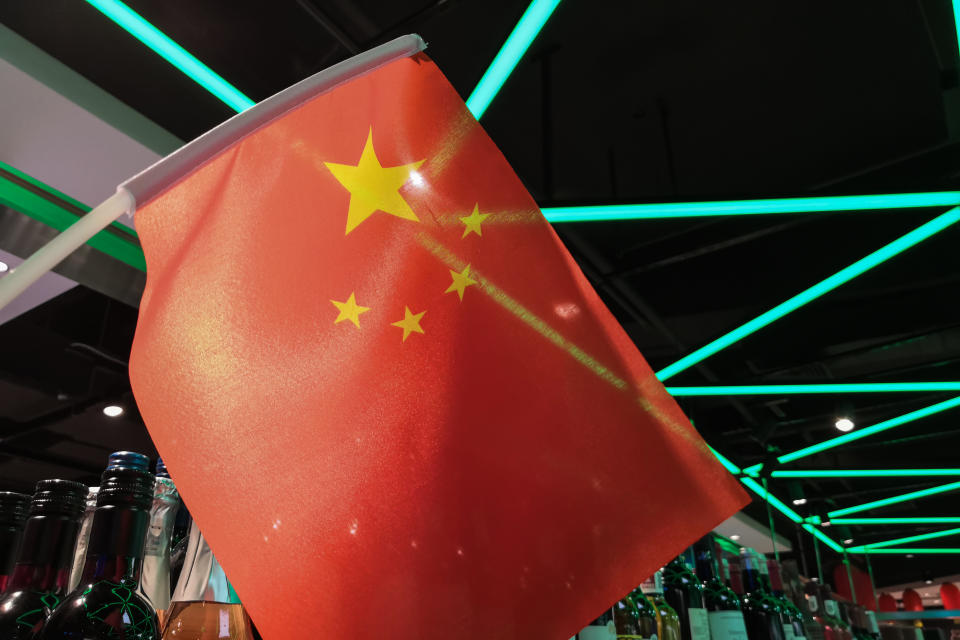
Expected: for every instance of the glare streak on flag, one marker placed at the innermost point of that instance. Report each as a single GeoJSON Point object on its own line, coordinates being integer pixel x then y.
{"type": "Point", "coordinates": [389, 396]}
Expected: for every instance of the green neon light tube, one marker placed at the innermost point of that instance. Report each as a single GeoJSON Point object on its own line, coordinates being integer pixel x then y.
{"type": "Point", "coordinates": [869, 431]}
{"type": "Point", "coordinates": [811, 389]}
{"type": "Point", "coordinates": [519, 40]}
{"type": "Point", "coordinates": [172, 52]}
{"type": "Point", "coordinates": [776, 503]}
{"type": "Point", "coordinates": [953, 486]}
{"type": "Point", "coordinates": [757, 488]}
{"type": "Point", "coordinates": [916, 538]}
{"type": "Point", "coordinates": [929, 550]}
{"type": "Point", "coordinates": [826, 204]}
{"type": "Point", "coordinates": [911, 520]}
{"type": "Point", "coordinates": [863, 473]}
{"type": "Point", "coordinates": [729, 466]}
{"type": "Point", "coordinates": [824, 538]}
{"type": "Point", "coordinates": [859, 267]}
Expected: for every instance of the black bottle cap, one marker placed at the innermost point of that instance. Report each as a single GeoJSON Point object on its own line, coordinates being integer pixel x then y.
{"type": "Point", "coordinates": [59, 498]}
{"type": "Point", "coordinates": [127, 481]}
{"type": "Point", "coordinates": [13, 509]}
{"type": "Point", "coordinates": [162, 469]}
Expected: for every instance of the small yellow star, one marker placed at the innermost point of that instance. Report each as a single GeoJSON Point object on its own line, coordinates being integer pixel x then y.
{"type": "Point", "coordinates": [473, 221]}
{"type": "Point", "coordinates": [461, 281]}
{"type": "Point", "coordinates": [349, 310]}
{"type": "Point", "coordinates": [410, 323]}
{"type": "Point", "coordinates": [373, 187]}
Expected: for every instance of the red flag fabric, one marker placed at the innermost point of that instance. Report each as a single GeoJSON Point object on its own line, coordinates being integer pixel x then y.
{"type": "Point", "coordinates": [388, 395]}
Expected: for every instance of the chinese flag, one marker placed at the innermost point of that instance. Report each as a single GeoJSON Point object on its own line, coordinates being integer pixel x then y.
{"type": "Point", "coordinates": [390, 398]}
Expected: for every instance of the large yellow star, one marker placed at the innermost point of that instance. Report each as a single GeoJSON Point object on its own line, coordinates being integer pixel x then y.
{"type": "Point", "coordinates": [349, 310]}
{"type": "Point", "coordinates": [461, 281]}
{"type": "Point", "coordinates": [373, 187]}
{"type": "Point", "coordinates": [410, 323]}
{"type": "Point", "coordinates": [473, 221]}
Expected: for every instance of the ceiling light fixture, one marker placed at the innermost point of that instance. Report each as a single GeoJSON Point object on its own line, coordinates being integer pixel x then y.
{"type": "Point", "coordinates": [928, 581]}
{"type": "Point", "coordinates": [172, 52]}
{"type": "Point", "coordinates": [800, 502]}
{"type": "Point", "coordinates": [906, 497]}
{"type": "Point", "coordinates": [810, 294]}
{"type": "Point", "coordinates": [776, 503]}
{"type": "Point", "coordinates": [113, 411]}
{"type": "Point", "coordinates": [824, 204]}
{"type": "Point", "coordinates": [4, 266]}
{"type": "Point", "coordinates": [735, 537]}
{"type": "Point", "coordinates": [519, 40]}
{"type": "Point", "coordinates": [844, 424]}
{"type": "Point", "coordinates": [812, 389]}
{"type": "Point", "coordinates": [848, 541]}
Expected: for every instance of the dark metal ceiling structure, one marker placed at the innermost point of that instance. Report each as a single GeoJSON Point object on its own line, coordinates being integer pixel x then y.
{"type": "Point", "coordinates": [616, 102]}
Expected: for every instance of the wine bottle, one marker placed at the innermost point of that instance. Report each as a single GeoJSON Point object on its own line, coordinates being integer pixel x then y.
{"type": "Point", "coordinates": [155, 577]}
{"type": "Point", "coordinates": [838, 629]}
{"type": "Point", "coordinates": [793, 620]}
{"type": "Point", "coordinates": [40, 576]}
{"type": "Point", "coordinates": [106, 604]}
{"type": "Point", "coordinates": [684, 592]}
{"type": "Point", "coordinates": [204, 606]}
{"type": "Point", "coordinates": [13, 514]}
{"type": "Point", "coordinates": [80, 551]}
{"type": "Point", "coordinates": [760, 615]}
{"type": "Point", "coordinates": [603, 628]}
{"type": "Point", "coordinates": [816, 626]}
{"type": "Point", "coordinates": [668, 622]}
{"type": "Point", "coordinates": [723, 605]}
{"type": "Point", "coordinates": [766, 590]}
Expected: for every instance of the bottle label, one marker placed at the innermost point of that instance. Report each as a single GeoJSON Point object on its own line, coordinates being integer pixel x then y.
{"type": "Point", "coordinates": [872, 621]}
{"type": "Point", "coordinates": [727, 625]}
{"type": "Point", "coordinates": [699, 624]}
{"type": "Point", "coordinates": [830, 606]}
{"type": "Point", "coordinates": [597, 632]}
{"type": "Point", "coordinates": [812, 604]}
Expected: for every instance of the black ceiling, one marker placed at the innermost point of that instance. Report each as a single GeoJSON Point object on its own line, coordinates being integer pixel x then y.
{"type": "Point", "coordinates": [617, 101]}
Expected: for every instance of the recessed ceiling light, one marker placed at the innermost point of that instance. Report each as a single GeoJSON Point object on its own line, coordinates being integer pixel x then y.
{"type": "Point", "coordinates": [848, 541]}
{"type": "Point", "coordinates": [113, 410]}
{"type": "Point", "coordinates": [735, 536]}
{"type": "Point", "coordinates": [909, 555]}
{"type": "Point", "coordinates": [928, 581]}
{"type": "Point", "coordinates": [844, 424]}
{"type": "Point", "coordinates": [3, 266]}
{"type": "Point", "coordinates": [800, 501]}
{"type": "Point", "coordinates": [825, 524]}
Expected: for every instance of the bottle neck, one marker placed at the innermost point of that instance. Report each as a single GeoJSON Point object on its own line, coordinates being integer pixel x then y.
{"type": "Point", "coordinates": [115, 549]}
{"type": "Point", "coordinates": [10, 537]}
{"type": "Point", "coordinates": [706, 564]}
{"type": "Point", "coordinates": [776, 580]}
{"type": "Point", "coordinates": [202, 578]}
{"type": "Point", "coordinates": [46, 551]}
{"type": "Point", "coordinates": [751, 576]}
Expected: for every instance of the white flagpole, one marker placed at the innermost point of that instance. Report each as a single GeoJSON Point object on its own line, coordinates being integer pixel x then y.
{"type": "Point", "coordinates": [72, 238]}
{"type": "Point", "coordinates": [147, 184]}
